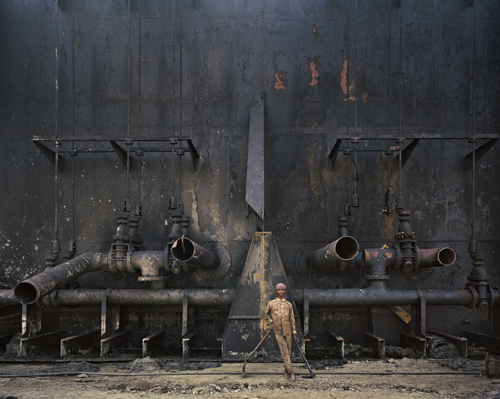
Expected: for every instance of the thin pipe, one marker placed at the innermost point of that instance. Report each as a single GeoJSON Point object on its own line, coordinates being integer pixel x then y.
{"type": "Point", "coordinates": [355, 68]}
{"type": "Point", "coordinates": [389, 73]}
{"type": "Point", "coordinates": [128, 69]}
{"type": "Point", "coordinates": [205, 373]}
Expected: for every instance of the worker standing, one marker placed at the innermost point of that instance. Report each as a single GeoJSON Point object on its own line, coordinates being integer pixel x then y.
{"type": "Point", "coordinates": [280, 311]}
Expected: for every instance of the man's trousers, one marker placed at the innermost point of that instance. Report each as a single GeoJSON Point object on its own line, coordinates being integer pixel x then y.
{"type": "Point", "coordinates": [285, 344]}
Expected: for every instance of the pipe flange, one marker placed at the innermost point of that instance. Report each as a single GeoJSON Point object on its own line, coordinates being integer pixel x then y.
{"type": "Point", "coordinates": [112, 267]}
{"type": "Point", "coordinates": [376, 277]}
{"type": "Point", "coordinates": [130, 268]}
{"type": "Point", "coordinates": [397, 265]}
{"type": "Point", "coordinates": [53, 300]}
{"type": "Point", "coordinates": [417, 260]}
{"type": "Point", "coordinates": [474, 297]}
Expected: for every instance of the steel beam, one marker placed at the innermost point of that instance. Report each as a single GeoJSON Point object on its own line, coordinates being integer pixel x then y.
{"type": "Point", "coordinates": [115, 341]}
{"type": "Point", "coordinates": [152, 342]}
{"type": "Point", "coordinates": [48, 340]}
{"type": "Point", "coordinates": [410, 340]}
{"type": "Point", "coordinates": [71, 345]}
{"type": "Point", "coordinates": [339, 343]}
{"type": "Point", "coordinates": [490, 342]}
{"type": "Point", "coordinates": [377, 343]}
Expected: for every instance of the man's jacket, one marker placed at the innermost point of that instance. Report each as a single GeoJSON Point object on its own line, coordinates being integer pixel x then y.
{"type": "Point", "coordinates": [281, 313]}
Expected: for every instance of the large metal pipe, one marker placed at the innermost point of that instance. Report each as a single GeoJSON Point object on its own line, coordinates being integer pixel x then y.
{"type": "Point", "coordinates": [196, 297]}
{"type": "Point", "coordinates": [382, 297]}
{"type": "Point", "coordinates": [186, 250]}
{"type": "Point", "coordinates": [436, 257]}
{"type": "Point", "coordinates": [343, 249]}
{"type": "Point", "coordinates": [224, 297]}
{"type": "Point", "coordinates": [34, 288]}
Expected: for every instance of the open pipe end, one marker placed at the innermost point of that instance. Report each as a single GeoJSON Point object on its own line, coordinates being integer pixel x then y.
{"type": "Point", "coordinates": [446, 256]}
{"type": "Point", "coordinates": [183, 249]}
{"type": "Point", "coordinates": [26, 293]}
{"type": "Point", "coordinates": [347, 248]}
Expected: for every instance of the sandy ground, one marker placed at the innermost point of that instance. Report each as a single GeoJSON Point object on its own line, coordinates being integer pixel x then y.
{"type": "Point", "coordinates": [152, 378]}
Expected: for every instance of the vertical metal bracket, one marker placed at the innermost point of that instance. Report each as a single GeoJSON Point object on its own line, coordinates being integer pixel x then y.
{"type": "Point", "coordinates": [110, 316]}
{"type": "Point", "coordinates": [420, 316]}
{"type": "Point", "coordinates": [306, 312]}
{"type": "Point", "coordinates": [31, 320]}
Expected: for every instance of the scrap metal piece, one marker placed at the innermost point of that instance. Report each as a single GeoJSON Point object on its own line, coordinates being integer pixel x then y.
{"type": "Point", "coordinates": [255, 167]}
{"type": "Point", "coordinates": [460, 343]}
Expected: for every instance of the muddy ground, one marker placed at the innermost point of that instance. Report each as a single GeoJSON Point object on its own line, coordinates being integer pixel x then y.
{"type": "Point", "coordinates": [407, 378]}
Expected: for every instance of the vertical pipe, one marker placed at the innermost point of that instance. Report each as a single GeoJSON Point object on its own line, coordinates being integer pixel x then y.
{"type": "Point", "coordinates": [389, 74]}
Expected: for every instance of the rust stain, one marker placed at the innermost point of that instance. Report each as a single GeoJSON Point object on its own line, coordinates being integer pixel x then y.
{"type": "Point", "coordinates": [313, 68]}
{"type": "Point", "coordinates": [315, 31]}
{"type": "Point", "coordinates": [314, 123]}
{"type": "Point", "coordinates": [343, 79]}
{"type": "Point", "coordinates": [313, 166]}
{"type": "Point", "coordinates": [375, 254]}
{"type": "Point", "coordinates": [279, 85]}
{"type": "Point", "coordinates": [60, 193]}
{"type": "Point", "coordinates": [388, 254]}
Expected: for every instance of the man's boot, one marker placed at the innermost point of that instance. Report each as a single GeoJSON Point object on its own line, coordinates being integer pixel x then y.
{"type": "Point", "coordinates": [287, 375]}
{"type": "Point", "coordinates": [292, 376]}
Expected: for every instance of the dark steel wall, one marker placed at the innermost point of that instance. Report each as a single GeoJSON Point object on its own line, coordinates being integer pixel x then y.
{"type": "Point", "coordinates": [193, 68]}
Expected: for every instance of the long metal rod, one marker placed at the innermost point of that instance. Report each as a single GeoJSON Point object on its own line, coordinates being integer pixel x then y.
{"type": "Point", "coordinates": [205, 373]}
{"type": "Point", "coordinates": [373, 134]}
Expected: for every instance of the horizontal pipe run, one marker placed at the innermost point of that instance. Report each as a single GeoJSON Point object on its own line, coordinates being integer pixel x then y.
{"type": "Point", "coordinates": [8, 298]}
{"type": "Point", "coordinates": [382, 297]}
{"type": "Point", "coordinates": [196, 297]}
{"type": "Point", "coordinates": [224, 297]}
{"type": "Point", "coordinates": [31, 290]}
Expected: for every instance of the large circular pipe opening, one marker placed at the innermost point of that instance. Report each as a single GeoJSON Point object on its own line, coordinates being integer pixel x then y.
{"type": "Point", "coordinates": [26, 293]}
{"type": "Point", "coordinates": [183, 249]}
{"type": "Point", "coordinates": [347, 248]}
{"type": "Point", "coordinates": [447, 256]}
